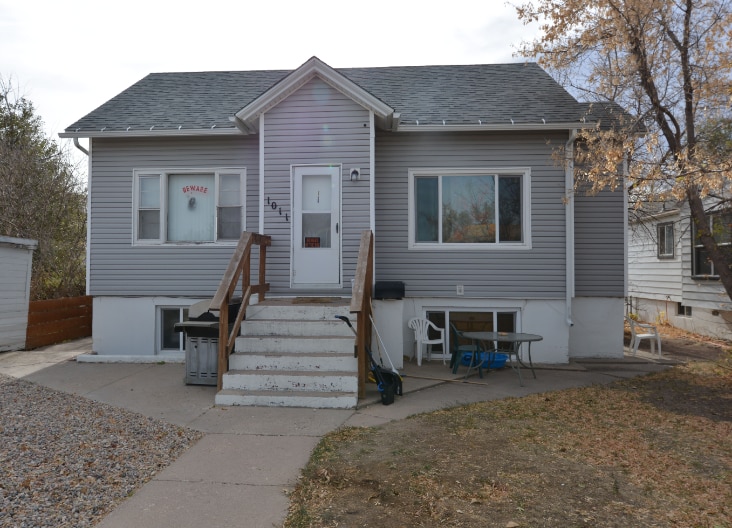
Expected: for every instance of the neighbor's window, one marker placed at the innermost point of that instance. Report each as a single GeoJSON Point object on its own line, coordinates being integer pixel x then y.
{"type": "Point", "coordinates": [666, 240]}
{"type": "Point", "coordinates": [721, 226]}
{"type": "Point", "coordinates": [188, 206]}
{"type": "Point", "coordinates": [683, 310]}
{"type": "Point", "coordinates": [468, 208]}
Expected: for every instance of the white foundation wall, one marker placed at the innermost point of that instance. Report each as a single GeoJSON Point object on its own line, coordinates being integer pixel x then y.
{"type": "Point", "coordinates": [703, 321]}
{"type": "Point", "coordinates": [126, 327]}
{"type": "Point", "coordinates": [598, 327]}
{"type": "Point", "coordinates": [546, 318]}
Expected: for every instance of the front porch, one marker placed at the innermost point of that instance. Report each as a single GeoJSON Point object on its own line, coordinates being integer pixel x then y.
{"type": "Point", "coordinates": [291, 351]}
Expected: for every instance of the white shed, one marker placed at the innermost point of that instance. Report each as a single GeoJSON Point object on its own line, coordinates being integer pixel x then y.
{"type": "Point", "coordinates": [16, 259]}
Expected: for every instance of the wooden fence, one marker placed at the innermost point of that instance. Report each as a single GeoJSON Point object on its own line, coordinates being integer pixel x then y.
{"type": "Point", "coordinates": [57, 320]}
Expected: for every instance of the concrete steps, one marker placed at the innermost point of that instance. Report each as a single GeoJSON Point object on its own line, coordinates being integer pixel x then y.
{"type": "Point", "coordinates": [293, 355]}
{"type": "Point", "coordinates": [314, 400]}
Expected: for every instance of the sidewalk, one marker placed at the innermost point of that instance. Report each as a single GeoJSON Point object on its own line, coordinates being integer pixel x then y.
{"type": "Point", "coordinates": [239, 473]}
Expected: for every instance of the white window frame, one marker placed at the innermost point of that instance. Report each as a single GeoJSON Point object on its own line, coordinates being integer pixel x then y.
{"type": "Point", "coordinates": [159, 329]}
{"type": "Point", "coordinates": [660, 252]}
{"type": "Point", "coordinates": [523, 172]}
{"type": "Point", "coordinates": [517, 312]}
{"type": "Point", "coordinates": [163, 174]}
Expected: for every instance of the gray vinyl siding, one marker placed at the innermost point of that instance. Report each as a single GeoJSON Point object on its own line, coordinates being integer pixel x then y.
{"type": "Point", "coordinates": [315, 125]}
{"type": "Point", "coordinates": [537, 273]}
{"type": "Point", "coordinates": [119, 268]}
{"type": "Point", "coordinates": [599, 243]}
{"type": "Point", "coordinates": [648, 276]}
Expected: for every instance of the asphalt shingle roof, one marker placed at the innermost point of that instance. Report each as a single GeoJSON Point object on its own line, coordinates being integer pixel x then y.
{"type": "Point", "coordinates": [492, 94]}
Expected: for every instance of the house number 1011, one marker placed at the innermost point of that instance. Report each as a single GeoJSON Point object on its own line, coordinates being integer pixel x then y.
{"type": "Point", "coordinates": [273, 205]}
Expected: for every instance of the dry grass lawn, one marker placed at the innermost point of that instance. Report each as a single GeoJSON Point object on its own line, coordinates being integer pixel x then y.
{"type": "Point", "coordinates": [654, 451]}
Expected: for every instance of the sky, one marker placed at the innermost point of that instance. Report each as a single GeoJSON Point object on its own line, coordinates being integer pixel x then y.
{"type": "Point", "coordinates": [70, 57]}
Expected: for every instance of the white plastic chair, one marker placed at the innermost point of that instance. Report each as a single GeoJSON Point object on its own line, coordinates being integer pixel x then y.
{"type": "Point", "coordinates": [639, 331]}
{"type": "Point", "coordinates": [421, 329]}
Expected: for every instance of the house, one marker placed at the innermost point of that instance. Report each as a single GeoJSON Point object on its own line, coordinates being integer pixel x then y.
{"type": "Point", "coordinates": [670, 279]}
{"type": "Point", "coordinates": [16, 261]}
{"type": "Point", "coordinates": [450, 167]}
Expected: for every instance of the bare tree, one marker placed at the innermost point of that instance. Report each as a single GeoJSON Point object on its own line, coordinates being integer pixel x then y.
{"type": "Point", "coordinates": [669, 63]}
{"type": "Point", "coordinates": [42, 198]}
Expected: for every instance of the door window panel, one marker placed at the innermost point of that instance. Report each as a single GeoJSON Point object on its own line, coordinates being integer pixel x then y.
{"type": "Point", "coordinates": [316, 200]}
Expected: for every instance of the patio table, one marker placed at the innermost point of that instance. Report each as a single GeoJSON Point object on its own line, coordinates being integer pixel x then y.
{"type": "Point", "coordinates": [513, 341]}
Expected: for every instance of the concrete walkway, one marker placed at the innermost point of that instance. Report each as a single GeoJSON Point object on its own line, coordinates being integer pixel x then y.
{"type": "Point", "coordinates": [239, 473]}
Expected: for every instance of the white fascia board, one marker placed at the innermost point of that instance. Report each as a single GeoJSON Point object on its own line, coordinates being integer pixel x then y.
{"type": "Point", "coordinates": [183, 132]}
{"type": "Point", "coordinates": [23, 243]}
{"type": "Point", "coordinates": [658, 216]}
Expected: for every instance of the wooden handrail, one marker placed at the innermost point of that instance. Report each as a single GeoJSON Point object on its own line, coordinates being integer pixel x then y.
{"type": "Point", "coordinates": [361, 305]}
{"type": "Point", "coordinates": [239, 266]}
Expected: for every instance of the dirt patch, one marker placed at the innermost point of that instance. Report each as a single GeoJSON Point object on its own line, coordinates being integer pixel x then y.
{"type": "Point", "coordinates": [649, 451]}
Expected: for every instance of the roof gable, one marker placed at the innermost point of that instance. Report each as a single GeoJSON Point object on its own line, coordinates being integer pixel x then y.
{"type": "Point", "coordinates": [246, 118]}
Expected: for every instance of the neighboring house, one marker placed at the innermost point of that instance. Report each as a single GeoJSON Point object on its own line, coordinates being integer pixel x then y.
{"type": "Point", "coordinates": [450, 166]}
{"type": "Point", "coordinates": [670, 278]}
{"type": "Point", "coordinates": [16, 261]}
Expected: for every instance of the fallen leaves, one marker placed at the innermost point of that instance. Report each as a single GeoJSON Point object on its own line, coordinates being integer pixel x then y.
{"type": "Point", "coordinates": [651, 451]}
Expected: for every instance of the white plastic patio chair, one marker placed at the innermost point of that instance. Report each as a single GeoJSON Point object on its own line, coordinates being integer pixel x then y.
{"type": "Point", "coordinates": [639, 331]}
{"type": "Point", "coordinates": [421, 329]}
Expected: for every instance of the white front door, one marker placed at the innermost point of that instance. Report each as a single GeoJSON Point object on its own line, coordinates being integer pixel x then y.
{"type": "Point", "coordinates": [316, 254]}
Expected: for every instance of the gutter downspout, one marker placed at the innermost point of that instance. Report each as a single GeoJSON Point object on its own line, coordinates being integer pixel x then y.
{"type": "Point", "coordinates": [569, 224]}
{"type": "Point", "coordinates": [78, 145]}
{"type": "Point", "coordinates": [88, 210]}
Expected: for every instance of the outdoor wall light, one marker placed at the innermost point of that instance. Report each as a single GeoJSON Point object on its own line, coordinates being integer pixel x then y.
{"type": "Point", "coordinates": [355, 174]}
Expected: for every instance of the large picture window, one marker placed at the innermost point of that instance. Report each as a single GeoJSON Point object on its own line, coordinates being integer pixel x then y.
{"type": "Point", "coordinates": [469, 208]}
{"type": "Point", "coordinates": [177, 207]}
{"type": "Point", "coordinates": [721, 227]}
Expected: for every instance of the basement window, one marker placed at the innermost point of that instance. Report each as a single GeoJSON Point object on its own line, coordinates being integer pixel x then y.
{"type": "Point", "coordinates": [168, 339]}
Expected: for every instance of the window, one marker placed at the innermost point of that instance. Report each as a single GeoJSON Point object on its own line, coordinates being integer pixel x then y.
{"type": "Point", "coordinates": [188, 206]}
{"type": "Point", "coordinates": [170, 340]}
{"type": "Point", "coordinates": [469, 208]}
{"type": "Point", "coordinates": [684, 311]}
{"type": "Point", "coordinates": [471, 321]}
{"type": "Point", "coordinates": [666, 240]}
{"type": "Point", "coordinates": [721, 227]}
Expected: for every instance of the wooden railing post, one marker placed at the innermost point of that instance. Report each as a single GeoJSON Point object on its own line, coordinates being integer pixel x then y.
{"type": "Point", "coordinates": [361, 306]}
{"type": "Point", "coordinates": [223, 358]}
{"type": "Point", "coordinates": [239, 265]}
{"type": "Point", "coordinates": [262, 274]}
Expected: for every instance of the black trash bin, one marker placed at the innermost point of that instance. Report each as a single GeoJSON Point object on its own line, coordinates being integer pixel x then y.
{"type": "Point", "coordinates": [202, 342]}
